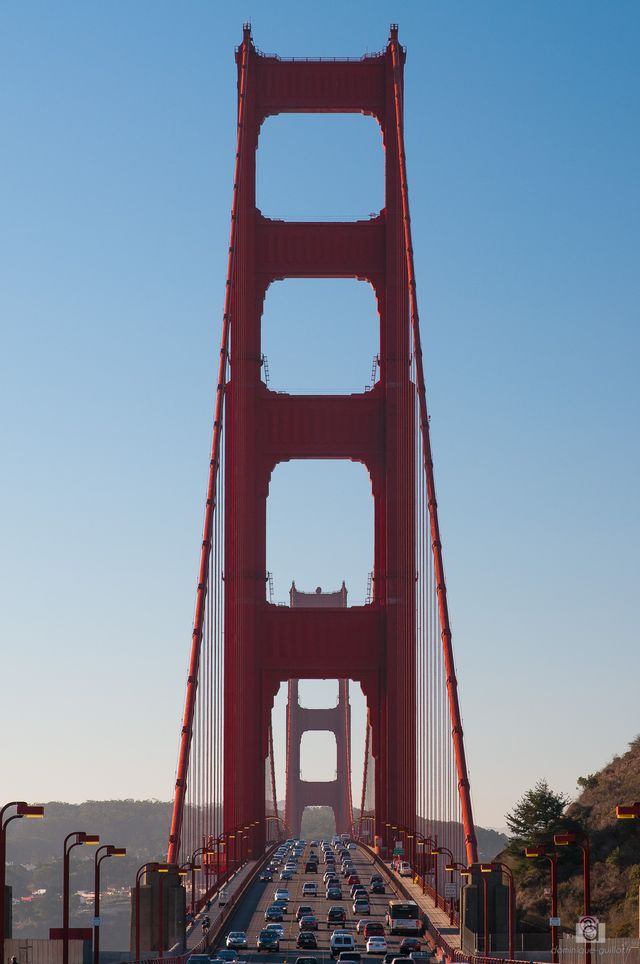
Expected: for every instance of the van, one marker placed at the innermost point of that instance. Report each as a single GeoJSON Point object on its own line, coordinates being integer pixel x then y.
{"type": "Point", "coordinates": [404, 869]}
{"type": "Point", "coordinates": [340, 943]}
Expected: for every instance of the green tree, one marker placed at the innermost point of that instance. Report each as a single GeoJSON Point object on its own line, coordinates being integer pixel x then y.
{"type": "Point", "coordinates": [536, 816]}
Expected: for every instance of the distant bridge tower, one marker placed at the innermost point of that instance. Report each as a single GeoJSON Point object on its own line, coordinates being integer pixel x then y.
{"type": "Point", "coordinates": [337, 720]}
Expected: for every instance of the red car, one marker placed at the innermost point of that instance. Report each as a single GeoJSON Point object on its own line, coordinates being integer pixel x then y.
{"type": "Point", "coordinates": [373, 928]}
{"type": "Point", "coordinates": [353, 879]}
{"type": "Point", "coordinates": [308, 923]}
{"type": "Point", "coordinates": [410, 945]}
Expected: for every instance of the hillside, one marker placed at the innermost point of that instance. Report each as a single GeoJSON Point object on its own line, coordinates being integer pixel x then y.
{"type": "Point", "coordinates": [615, 854]}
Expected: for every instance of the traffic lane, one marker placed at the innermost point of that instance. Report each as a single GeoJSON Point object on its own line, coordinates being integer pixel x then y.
{"type": "Point", "coordinates": [244, 913]}
{"type": "Point", "coordinates": [250, 916]}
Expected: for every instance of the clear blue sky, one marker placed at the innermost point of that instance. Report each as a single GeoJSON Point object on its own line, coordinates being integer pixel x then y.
{"type": "Point", "coordinates": [116, 159]}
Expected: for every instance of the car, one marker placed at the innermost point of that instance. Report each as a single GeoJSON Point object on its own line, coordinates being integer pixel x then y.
{"type": "Point", "coordinates": [277, 929]}
{"type": "Point", "coordinates": [361, 906]}
{"type": "Point", "coordinates": [282, 904]}
{"type": "Point", "coordinates": [351, 845]}
{"type": "Point", "coordinates": [314, 843]}
{"type": "Point", "coordinates": [274, 913]}
{"type": "Point", "coordinates": [334, 893]}
{"type": "Point", "coordinates": [307, 939]}
{"type": "Point", "coordinates": [357, 890]}
{"type": "Point", "coordinates": [308, 923]}
{"type": "Point", "coordinates": [302, 910]}
{"type": "Point", "coordinates": [267, 941]}
{"type": "Point", "coordinates": [360, 926]}
{"type": "Point", "coordinates": [353, 957]}
{"type": "Point", "coordinates": [373, 928]}
{"type": "Point", "coordinates": [405, 869]}
{"type": "Point", "coordinates": [409, 945]}
{"type": "Point", "coordinates": [353, 879]}
{"type": "Point", "coordinates": [199, 959]}
{"type": "Point", "coordinates": [281, 893]}
{"type": "Point", "coordinates": [340, 943]}
{"type": "Point", "coordinates": [236, 940]}
{"type": "Point", "coordinates": [375, 877]}
{"type": "Point", "coordinates": [309, 889]}
{"type": "Point", "coordinates": [227, 955]}
{"type": "Point", "coordinates": [311, 867]}
{"type": "Point", "coordinates": [286, 875]}
{"type": "Point", "coordinates": [420, 957]}
{"type": "Point", "coordinates": [266, 876]}
{"type": "Point", "coordinates": [377, 888]}
{"type": "Point", "coordinates": [306, 960]}
{"type": "Point", "coordinates": [376, 945]}
{"type": "Point", "coordinates": [336, 915]}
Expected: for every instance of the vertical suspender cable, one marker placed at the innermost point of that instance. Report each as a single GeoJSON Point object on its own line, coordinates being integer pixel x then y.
{"type": "Point", "coordinates": [201, 594]}
{"type": "Point", "coordinates": [445, 627]}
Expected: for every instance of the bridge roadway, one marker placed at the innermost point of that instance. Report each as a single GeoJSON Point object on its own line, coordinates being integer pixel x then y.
{"type": "Point", "coordinates": [249, 916]}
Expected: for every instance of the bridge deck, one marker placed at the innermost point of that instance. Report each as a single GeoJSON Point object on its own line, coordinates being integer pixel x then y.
{"type": "Point", "coordinates": [249, 916]}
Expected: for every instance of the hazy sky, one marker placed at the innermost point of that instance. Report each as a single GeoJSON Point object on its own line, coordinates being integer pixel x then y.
{"type": "Point", "coordinates": [116, 162]}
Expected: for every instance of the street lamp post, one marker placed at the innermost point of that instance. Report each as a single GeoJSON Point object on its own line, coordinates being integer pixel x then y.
{"type": "Point", "coordinates": [445, 852]}
{"type": "Point", "coordinates": [630, 812]}
{"type": "Point", "coordinates": [580, 839]}
{"type": "Point", "coordinates": [81, 838]}
{"type": "Point", "coordinates": [106, 850]}
{"type": "Point", "coordinates": [22, 810]}
{"type": "Point", "coordinates": [498, 865]}
{"type": "Point", "coordinates": [191, 866]}
{"type": "Point", "coordinates": [453, 866]}
{"type": "Point", "coordinates": [551, 855]}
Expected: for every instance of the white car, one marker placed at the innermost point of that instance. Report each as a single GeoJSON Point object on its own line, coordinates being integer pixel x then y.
{"type": "Point", "coordinates": [309, 890]}
{"type": "Point", "coordinates": [277, 929]}
{"type": "Point", "coordinates": [236, 940]}
{"type": "Point", "coordinates": [405, 869]}
{"type": "Point", "coordinates": [376, 945]}
{"type": "Point", "coordinates": [281, 893]}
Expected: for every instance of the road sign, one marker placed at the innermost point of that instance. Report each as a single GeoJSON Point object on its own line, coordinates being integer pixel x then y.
{"type": "Point", "coordinates": [555, 922]}
{"type": "Point", "coordinates": [450, 889]}
{"type": "Point", "coordinates": [96, 921]}
{"type": "Point", "coordinates": [398, 851]}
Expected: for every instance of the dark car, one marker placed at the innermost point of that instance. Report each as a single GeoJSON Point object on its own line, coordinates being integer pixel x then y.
{"type": "Point", "coordinates": [268, 941]}
{"type": "Point", "coordinates": [274, 913]}
{"type": "Point", "coordinates": [307, 940]}
{"type": "Point", "coordinates": [358, 889]}
{"type": "Point", "coordinates": [336, 915]}
{"type": "Point", "coordinates": [354, 957]}
{"type": "Point", "coordinates": [377, 888]}
{"type": "Point", "coordinates": [353, 879]}
{"type": "Point", "coordinates": [302, 910]}
{"type": "Point", "coordinates": [334, 893]}
{"type": "Point", "coordinates": [311, 867]}
{"type": "Point", "coordinates": [306, 960]}
{"type": "Point", "coordinates": [308, 923]}
{"type": "Point", "coordinates": [408, 945]}
{"type": "Point", "coordinates": [266, 876]}
{"type": "Point", "coordinates": [226, 954]}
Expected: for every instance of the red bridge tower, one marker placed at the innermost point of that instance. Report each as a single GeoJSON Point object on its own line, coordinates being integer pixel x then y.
{"type": "Point", "coordinates": [337, 720]}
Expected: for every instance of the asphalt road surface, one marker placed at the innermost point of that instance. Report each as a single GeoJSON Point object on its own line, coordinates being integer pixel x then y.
{"type": "Point", "coordinates": [249, 917]}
